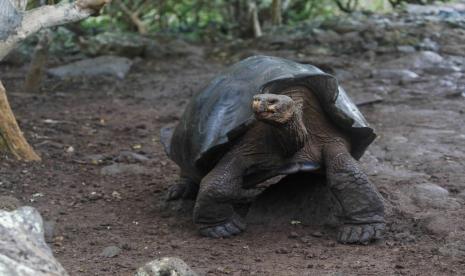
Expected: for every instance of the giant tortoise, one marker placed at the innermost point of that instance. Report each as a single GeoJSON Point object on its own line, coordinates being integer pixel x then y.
{"type": "Point", "coordinates": [264, 117]}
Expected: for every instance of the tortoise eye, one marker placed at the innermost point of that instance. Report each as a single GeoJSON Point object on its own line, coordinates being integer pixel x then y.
{"type": "Point", "coordinates": [272, 101]}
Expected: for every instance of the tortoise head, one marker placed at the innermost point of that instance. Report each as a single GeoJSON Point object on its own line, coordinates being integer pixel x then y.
{"type": "Point", "coordinates": [274, 109]}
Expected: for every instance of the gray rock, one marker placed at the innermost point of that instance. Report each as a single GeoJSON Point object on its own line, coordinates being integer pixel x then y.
{"type": "Point", "coordinates": [394, 74]}
{"type": "Point", "coordinates": [440, 225]}
{"type": "Point", "coordinates": [432, 195]}
{"type": "Point", "coordinates": [428, 45]}
{"type": "Point", "coordinates": [441, 70]}
{"type": "Point", "coordinates": [169, 266]}
{"type": "Point", "coordinates": [406, 49]}
{"type": "Point", "coordinates": [110, 251]}
{"type": "Point", "coordinates": [326, 37]}
{"type": "Point", "coordinates": [94, 158]}
{"type": "Point", "coordinates": [419, 60]}
{"type": "Point", "coordinates": [453, 249]}
{"type": "Point", "coordinates": [118, 168]}
{"type": "Point", "coordinates": [9, 203]}
{"type": "Point", "coordinates": [104, 65]}
{"type": "Point", "coordinates": [458, 50]}
{"type": "Point", "coordinates": [130, 157]}
{"type": "Point", "coordinates": [173, 48]}
{"type": "Point", "coordinates": [119, 44]}
{"type": "Point", "coordinates": [427, 9]}
{"type": "Point", "coordinates": [23, 251]}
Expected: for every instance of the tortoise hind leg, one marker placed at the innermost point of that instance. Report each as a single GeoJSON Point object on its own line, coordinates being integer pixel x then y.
{"type": "Point", "coordinates": [184, 188]}
{"type": "Point", "coordinates": [361, 203]}
{"type": "Point", "coordinates": [213, 211]}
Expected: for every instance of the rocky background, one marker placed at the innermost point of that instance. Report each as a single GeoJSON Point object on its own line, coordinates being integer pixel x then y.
{"type": "Point", "coordinates": [101, 185]}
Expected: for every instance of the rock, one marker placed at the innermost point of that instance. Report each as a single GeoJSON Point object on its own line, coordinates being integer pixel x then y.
{"type": "Point", "coordinates": [419, 60]}
{"type": "Point", "coordinates": [453, 249]}
{"type": "Point", "coordinates": [172, 48]}
{"type": "Point", "coordinates": [94, 196]}
{"type": "Point", "coordinates": [394, 74]}
{"type": "Point", "coordinates": [428, 45]}
{"type": "Point", "coordinates": [427, 9]}
{"type": "Point", "coordinates": [282, 250]}
{"type": "Point", "coordinates": [9, 203]}
{"type": "Point", "coordinates": [440, 225]}
{"type": "Point", "coordinates": [326, 37]}
{"type": "Point", "coordinates": [457, 50]}
{"type": "Point", "coordinates": [119, 44]}
{"type": "Point", "coordinates": [118, 168]}
{"type": "Point", "coordinates": [110, 251]}
{"type": "Point", "coordinates": [345, 25]}
{"type": "Point", "coordinates": [404, 237]}
{"type": "Point", "coordinates": [16, 57]}
{"type": "Point", "coordinates": [104, 65]}
{"type": "Point", "coordinates": [406, 49]}
{"type": "Point", "coordinates": [169, 266]}
{"type": "Point", "coordinates": [293, 235]}
{"type": "Point", "coordinates": [432, 195]}
{"type": "Point", "coordinates": [441, 70]}
{"type": "Point", "coordinates": [130, 157]}
{"type": "Point", "coordinates": [362, 98]}
{"type": "Point", "coordinates": [94, 158]}
{"type": "Point", "coordinates": [23, 250]}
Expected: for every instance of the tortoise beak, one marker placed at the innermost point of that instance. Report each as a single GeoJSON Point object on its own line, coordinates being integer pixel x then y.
{"type": "Point", "coordinates": [259, 106]}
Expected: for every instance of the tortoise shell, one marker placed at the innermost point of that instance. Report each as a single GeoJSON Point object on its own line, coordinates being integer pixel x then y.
{"type": "Point", "coordinates": [221, 112]}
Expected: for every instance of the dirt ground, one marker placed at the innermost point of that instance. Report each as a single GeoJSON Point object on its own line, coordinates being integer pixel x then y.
{"type": "Point", "coordinates": [80, 126]}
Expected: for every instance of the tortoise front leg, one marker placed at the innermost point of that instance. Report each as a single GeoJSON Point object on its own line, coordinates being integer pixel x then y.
{"type": "Point", "coordinates": [213, 211]}
{"type": "Point", "coordinates": [361, 203]}
{"type": "Point", "coordinates": [184, 188]}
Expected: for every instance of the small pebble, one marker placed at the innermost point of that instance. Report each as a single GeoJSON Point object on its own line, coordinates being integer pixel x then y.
{"type": "Point", "coordinates": [282, 251]}
{"type": "Point", "coordinates": [110, 251]}
{"type": "Point", "coordinates": [293, 235]}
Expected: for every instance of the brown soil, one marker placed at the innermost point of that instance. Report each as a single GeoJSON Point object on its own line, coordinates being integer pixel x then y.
{"type": "Point", "coordinates": [421, 138]}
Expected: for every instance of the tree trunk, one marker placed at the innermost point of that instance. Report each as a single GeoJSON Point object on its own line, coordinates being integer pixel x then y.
{"type": "Point", "coordinates": [39, 60]}
{"type": "Point", "coordinates": [11, 137]}
{"type": "Point", "coordinates": [257, 30]}
{"type": "Point", "coordinates": [276, 16]}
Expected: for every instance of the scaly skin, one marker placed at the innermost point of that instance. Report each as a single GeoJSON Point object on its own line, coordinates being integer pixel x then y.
{"type": "Point", "coordinates": [291, 127]}
{"type": "Point", "coordinates": [363, 209]}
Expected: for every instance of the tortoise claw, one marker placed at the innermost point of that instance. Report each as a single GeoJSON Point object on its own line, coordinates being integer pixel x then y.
{"type": "Point", "coordinates": [360, 233]}
{"type": "Point", "coordinates": [227, 229]}
{"type": "Point", "coordinates": [182, 190]}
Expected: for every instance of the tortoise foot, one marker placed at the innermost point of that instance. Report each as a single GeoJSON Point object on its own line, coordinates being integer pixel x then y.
{"type": "Point", "coordinates": [227, 229]}
{"type": "Point", "coordinates": [360, 233]}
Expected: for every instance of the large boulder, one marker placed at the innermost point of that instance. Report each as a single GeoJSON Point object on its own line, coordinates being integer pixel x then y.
{"type": "Point", "coordinates": [104, 65]}
{"type": "Point", "coordinates": [23, 251]}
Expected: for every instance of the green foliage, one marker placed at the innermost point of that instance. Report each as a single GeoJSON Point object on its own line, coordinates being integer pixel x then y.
{"type": "Point", "coordinates": [227, 18]}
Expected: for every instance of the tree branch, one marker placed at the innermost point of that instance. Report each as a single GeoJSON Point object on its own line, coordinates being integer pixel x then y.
{"type": "Point", "coordinates": [49, 16]}
{"type": "Point", "coordinates": [134, 16]}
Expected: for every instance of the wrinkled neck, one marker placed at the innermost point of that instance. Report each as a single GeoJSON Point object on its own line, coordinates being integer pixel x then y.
{"type": "Point", "coordinates": [291, 136]}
